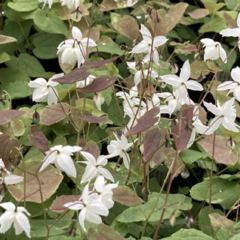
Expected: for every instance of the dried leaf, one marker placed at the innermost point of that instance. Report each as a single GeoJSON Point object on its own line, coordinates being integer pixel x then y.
{"type": "Point", "coordinates": [182, 130]}
{"type": "Point", "coordinates": [199, 13]}
{"type": "Point", "coordinates": [8, 149]}
{"type": "Point", "coordinates": [53, 114]}
{"type": "Point", "coordinates": [124, 196]}
{"type": "Point", "coordinates": [145, 122]}
{"type": "Point", "coordinates": [99, 84]}
{"type": "Point", "coordinates": [230, 21]}
{"type": "Point", "coordinates": [38, 139]}
{"type": "Point", "coordinates": [49, 178]}
{"type": "Point", "coordinates": [8, 115]}
{"type": "Point", "coordinates": [222, 154]}
{"type": "Point", "coordinates": [218, 221]}
{"type": "Point", "coordinates": [78, 74]}
{"type": "Point", "coordinates": [57, 205]}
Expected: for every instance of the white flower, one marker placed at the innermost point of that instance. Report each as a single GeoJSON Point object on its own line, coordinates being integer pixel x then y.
{"type": "Point", "coordinates": [90, 207]}
{"type": "Point", "coordinates": [49, 2]}
{"type": "Point", "coordinates": [95, 167]}
{"type": "Point", "coordinates": [233, 86]}
{"type": "Point", "coordinates": [213, 50]}
{"type": "Point", "coordinates": [71, 4]}
{"type": "Point", "coordinates": [99, 99]}
{"type": "Point", "coordinates": [225, 115]}
{"type": "Point", "coordinates": [60, 156]}
{"type": "Point", "coordinates": [140, 74]}
{"type": "Point", "coordinates": [75, 50]}
{"type": "Point", "coordinates": [234, 32]}
{"type": "Point", "coordinates": [147, 45]}
{"type": "Point", "coordinates": [84, 83]}
{"type": "Point", "coordinates": [14, 215]}
{"type": "Point", "coordinates": [105, 191]}
{"type": "Point", "coordinates": [181, 83]}
{"type": "Point", "coordinates": [130, 3]}
{"type": "Point", "coordinates": [44, 89]}
{"type": "Point", "coordinates": [118, 148]}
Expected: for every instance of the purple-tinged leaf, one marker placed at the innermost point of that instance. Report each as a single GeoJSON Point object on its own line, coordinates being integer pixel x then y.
{"type": "Point", "coordinates": [97, 64]}
{"type": "Point", "coordinates": [55, 113]}
{"type": "Point", "coordinates": [9, 115]}
{"type": "Point", "coordinates": [90, 147]}
{"type": "Point", "coordinates": [38, 139]}
{"type": "Point", "coordinates": [99, 84]}
{"type": "Point", "coordinates": [182, 130]}
{"type": "Point", "coordinates": [57, 204]}
{"type": "Point", "coordinates": [145, 122]}
{"type": "Point", "coordinates": [93, 119]}
{"type": "Point", "coordinates": [78, 74]}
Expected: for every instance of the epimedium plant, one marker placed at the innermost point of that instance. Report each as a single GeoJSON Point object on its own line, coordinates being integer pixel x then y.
{"type": "Point", "coordinates": [132, 131]}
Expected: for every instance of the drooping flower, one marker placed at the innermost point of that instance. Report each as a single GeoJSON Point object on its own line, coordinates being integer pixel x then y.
{"type": "Point", "coordinates": [225, 115]}
{"type": "Point", "coordinates": [119, 148]}
{"type": "Point", "coordinates": [104, 191]}
{"type": "Point", "coordinates": [49, 2]}
{"type": "Point", "coordinates": [234, 32]}
{"type": "Point", "coordinates": [75, 50]}
{"type": "Point", "coordinates": [99, 99]}
{"type": "Point", "coordinates": [60, 156]}
{"type": "Point", "coordinates": [95, 167]}
{"type": "Point", "coordinates": [232, 86]}
{"type": "Point", "coordinates": [84, 83]}
{"type": "Point", "coordinates": [213, 50]}
{"type": "Point", "coordinates": [44, 89]}
{"type": "Point", "coordinates": [71, 4]}
{"type": "Point", "coordinates": [90, 206]}
{"type": "Point", "coordinates": [148, 45]}
{"type": "Point", "coordinates": [181, 83]}
{"type": "Point", "coordinates": [14, 215]}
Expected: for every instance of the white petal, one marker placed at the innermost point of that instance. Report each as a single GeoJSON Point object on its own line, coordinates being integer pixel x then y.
{"type": "Point", "coordinates": [106, 173]}
{"type": "Point", "coordinates": [90, 173]}
{"type": "Point", "coordinates": [76, 33]}
{"type": "Point", "coordinates": [39, 82]}
{"type": "Point", "coordinates": [235, 32]}
{"type": "Point", "coordinates": [159, 41]}
{"type": "Point", "coordinates": [194, 85]}
{"type": "Point", "coordinates": [171, 79]}
{"type": "Point", "coordinates": [147, 36]}
{"type": "Point", "coordinates": [185, 72]}
{"type": "Point", "coordinates": [66, 163]}
{"type": "Point", "coordinates": [89, 157]}
{"type": "Point", "coordinates": [235, 74]}
{"type": "Point", "coordinates": [226, 86]}
{"type": "Point", "coordinates": [183, 94]}
{"type": "Point", "coordinates": [6, 221]}
{"type": "Point", "coordinates": [12, 179]}
{"type": "Point", "coordinates": [48, 160]}
{"type": "Point", "coordinates": [238, 20]}
{"type": "Point", "coordinates": [214, 125]}
{"type": "Point", "coordinates": [207, 41]}
{"type": "Point", "coordinates": [229, 124]}
{"type": "Point", "coordinates": [236, 93]}
{"type": "Point", "coordinates": [81, 218]}
{"type": "Point", "coordinates": [8, 206]}
{"type": "Point", "coordinates": [21, 223]}
{"type": "Point", "coordinates": [142, 47]}
{"type": "Point", "coordinates": [126, 160]}
{"type": "Point", "coordinates": [212, 108]}
{"type": "Point", "coordinates": [192, 138]}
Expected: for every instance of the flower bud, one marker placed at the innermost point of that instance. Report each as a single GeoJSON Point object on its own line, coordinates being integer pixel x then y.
{"type": "Point", "coordinates": [231, 143]}
{"type": "Point", "coordinates": [172, 219]}
{"type": "Point", "coordinates": [189, 221]}
{"type": "Point", "coordinates": [174, 68]}
{"type": "Point", "coordinates": [99, 100]}
{"type": "Point", "coordinates": [36, 115]}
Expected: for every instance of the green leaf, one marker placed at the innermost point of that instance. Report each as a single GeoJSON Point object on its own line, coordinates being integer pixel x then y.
{"type": "Point", "coordinates": [19, 30]}
{"type": "Point", "coordinates": [190, 156]}
{"type": "Point", "coordinates": [215, 24]}
{"type": "Point", "coordinates": [112, 48]}
{"type": "Point", "coordinates": [28, 64]}
{"type": "Point", "coordinates": [4, 57]}
{"type": "Point", "coordinates": [46, 45]}
{"type": "Point", "coordinates": [23, 5]}
{"type": "Point", "coordinates": [15, 82]}
{"type": "Point", "coordinates": [189, 234]}
{"type": "Point", "coordinates": [224, 192]}
{"type": "Point", "coordinates": [233, 4]}
{"type": "Point", "coordinates": [50, 23]}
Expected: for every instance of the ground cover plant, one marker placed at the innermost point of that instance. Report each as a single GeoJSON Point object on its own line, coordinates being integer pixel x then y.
{"type": "Point", "coordinates": [119, 119]}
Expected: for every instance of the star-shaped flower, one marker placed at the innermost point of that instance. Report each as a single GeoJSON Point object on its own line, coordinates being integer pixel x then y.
{"type": "Point", "coordinates": [60, 156]}
{"type": "Point", "coordinates": [44, 89]}
{"type": "Point", "coordinates": [95, 167]}
{"type": "Point", "coordinates": [14, 215]}
{"type": "Point", "coordinates": [148, 44]}
{"type": "Point", "coordinates": [232, 86]}
{"type": "Point", "coordinates": [225, 115]}
{"type": "Point", "coordinates": [181, 83]}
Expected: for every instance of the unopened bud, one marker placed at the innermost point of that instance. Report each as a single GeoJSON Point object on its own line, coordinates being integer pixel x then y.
{"type": "Point", "coordinates": [36, 115]}
{"type": "Point", "coordinates": [197, 56]}
{"type": "Point", "coordinates": [172, 219]}
{"type": "Point", "coordinates": [231, 143]}
{"type": "Point", "coordinates": [185, 173]}
{"type": "Point", "coordinates": [99, 100]}
{"type": "Point", "coordinates": [189, 221]}
{"type": "Point", "coordinates": [174, 68]}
